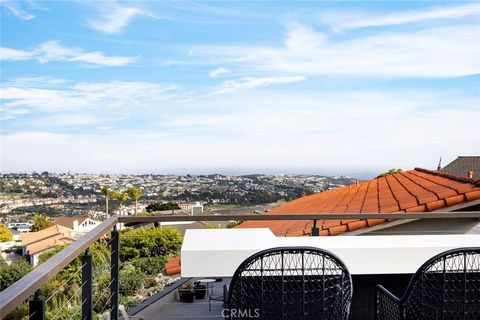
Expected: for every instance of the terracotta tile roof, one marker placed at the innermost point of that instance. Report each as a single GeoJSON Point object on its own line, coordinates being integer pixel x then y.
{"type": "Point", "coordinates": [418, 190]}
{"type": "Point", "coordinates": [68, 221]}
{"type": "Point", "coordinates": [30, 237]}
{"type": "Point", "coordinates": [462, 165]}
{"type": "Point", "coordinates": [173, 266]}
{"type": "Point", "coordinates": [35, 242]}
{"type": "Point", "coordinates": [48, 243]}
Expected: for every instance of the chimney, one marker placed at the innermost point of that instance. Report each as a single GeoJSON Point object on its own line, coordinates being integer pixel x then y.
{"type": "Point", "coordinates": [75, 225]}
{"type": "Point", "coordinates": [470, 174]}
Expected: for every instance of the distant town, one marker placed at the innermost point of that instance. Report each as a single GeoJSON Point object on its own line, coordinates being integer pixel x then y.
{"type": "Point", "coordinates": [57, 194]}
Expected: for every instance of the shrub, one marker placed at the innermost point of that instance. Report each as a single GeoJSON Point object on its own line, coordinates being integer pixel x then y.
{"type": "Point", "coordinates": [129, 302]}
{"type": "Point", "coordinates": [149, 265]}
{"type": "Point", "coordinates": [389, 172]}
{"type": "Point", "coordinates": [21, 312]}
{"type": "Point", "coordinates": [11, 273]}
{"type": "Point", "coordinates": [233, 224]}
{"type": "Point", "coordinates": [131, 281]}
{"type": "Point", "coordinates": [152, 242]}
{"type": "Point", "coordinates": [150, 282]}
{"type": "Point", "coordinates": [211, 226]}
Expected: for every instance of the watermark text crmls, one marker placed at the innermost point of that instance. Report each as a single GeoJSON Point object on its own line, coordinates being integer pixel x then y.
{"type": "Point", "coordinates": [241, 313]}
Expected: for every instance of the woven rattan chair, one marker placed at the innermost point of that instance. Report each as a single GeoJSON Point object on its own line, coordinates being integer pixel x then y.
{"type": "Point", "coordinates": [445, 287]}
{"type": "Point", "coordinates": [296, 283]}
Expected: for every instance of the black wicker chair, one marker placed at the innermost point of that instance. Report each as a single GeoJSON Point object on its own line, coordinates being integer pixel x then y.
{"type": "Point", "coordinates": [290, 283]}
{"type": "Point", "coordinates": [445, 287]}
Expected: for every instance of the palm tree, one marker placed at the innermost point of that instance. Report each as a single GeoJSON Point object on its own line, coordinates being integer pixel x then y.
{"type": "Point", "coordinates": [120, 197]}
{"type": "Point", "coordinates": [107, 193]}
{"type": "Point", "coordinates": [135, 194]}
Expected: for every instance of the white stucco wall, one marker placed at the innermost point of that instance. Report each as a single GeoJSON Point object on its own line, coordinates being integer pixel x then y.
{"type": "Point", "coordinates": [86, 226]}
{"type": "Point", "coordinates": [218, 252]}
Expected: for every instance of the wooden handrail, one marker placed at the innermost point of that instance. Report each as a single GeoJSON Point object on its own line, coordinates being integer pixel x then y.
{"type": "Point", "coordinates": [21, 290]}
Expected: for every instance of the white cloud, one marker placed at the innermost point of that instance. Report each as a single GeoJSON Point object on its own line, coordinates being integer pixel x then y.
{"type": "Point", "coordinates": [110, 97]}
{"type": "Point", "coordinates": [251, 83]}
{"type": "Point", "coordinates": [130, 126]}
{"type": "Point", "coordinates": [54, 51]}
{"type": "Point", "coordinates": [15, 8]}
{"type": "Point", "coordinates": [303, 38]}
{"type": "Point", "coordinates": [65, 120]}
{"type": "Point", "coordinates": [12, 54]}
{"type": "Point", "coordinates": [436, 52]}
{"type": "Point", "coordinates": [7, 114]}
{"type": "Point", "coordinates": [347, 21]}
{"type": "Point", "coordinates": [35, 81]}
{"type": "Point", "coordinates": [309, 139]}
{"type": "Point", "coordinates": [114, 17]}
{"type": "Point", "coordinates": [218, 72]}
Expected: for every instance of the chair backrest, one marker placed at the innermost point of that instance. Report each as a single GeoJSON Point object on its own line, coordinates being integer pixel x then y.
{"type": "Point", "coordinates": [290, 283]}
{"type": "Point", "coordinates": [445, 287]}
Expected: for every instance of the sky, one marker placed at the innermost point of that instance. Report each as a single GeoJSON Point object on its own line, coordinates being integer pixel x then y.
{"type": "Point", "coordinates": [238, 87]}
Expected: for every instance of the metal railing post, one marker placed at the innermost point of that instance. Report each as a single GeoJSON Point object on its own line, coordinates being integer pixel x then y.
{"type": "Point", "coordinates": [315, 230]}
{"type": "Point", "coordinates": [115, 264]}
{"type": "Point", "coordinates": [36, 307]}
{"type": "Point", "coordinates": [87, 271]}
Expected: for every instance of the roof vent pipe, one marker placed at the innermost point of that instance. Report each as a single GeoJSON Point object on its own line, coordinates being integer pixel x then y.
{"type": "Point", "coordinates": [439, 167]}
{"type": "Point", "coordinates": [470, 174]}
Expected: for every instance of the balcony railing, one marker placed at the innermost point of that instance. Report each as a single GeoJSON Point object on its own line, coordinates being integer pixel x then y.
{"type": "Point", "coordinates": [27, 288]}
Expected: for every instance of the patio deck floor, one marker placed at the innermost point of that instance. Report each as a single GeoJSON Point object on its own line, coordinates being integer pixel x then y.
{"type": "Point", "coordinates": [170, 307]}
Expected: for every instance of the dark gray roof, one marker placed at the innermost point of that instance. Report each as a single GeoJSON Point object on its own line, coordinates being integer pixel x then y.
{"type": "Point", "coordinates": [463, 164]}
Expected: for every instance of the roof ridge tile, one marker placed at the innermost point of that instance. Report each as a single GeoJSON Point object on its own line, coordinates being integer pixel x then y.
{"type": "Point", "coordinates": [475, 182]}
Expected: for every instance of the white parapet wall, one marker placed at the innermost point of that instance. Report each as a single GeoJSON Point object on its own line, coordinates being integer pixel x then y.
{"type": "Point", "coordinates": [218, 252]}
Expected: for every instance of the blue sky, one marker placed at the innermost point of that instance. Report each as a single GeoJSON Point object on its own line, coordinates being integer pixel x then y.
{"type": "Point", "coordinates": [238, 87]}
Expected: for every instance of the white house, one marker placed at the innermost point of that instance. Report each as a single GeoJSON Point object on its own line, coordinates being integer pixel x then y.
{"type": "Point", "coordinates": [78, 224]}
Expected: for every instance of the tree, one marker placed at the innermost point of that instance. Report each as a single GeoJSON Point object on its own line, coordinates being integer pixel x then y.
{"type": "Point", "coordinates": [156, 206]}
{"type": "Point", "coordinates": [389, 172]}
{"type": "Point", "coordinates": [107, 193]}
{"type": "Point", "coordinates": [40, 222]}
{"type": "Point", "coordinates": [121, 197]}
{"type": "Point", "coordinates": [5, 234]}
{"type": "Point", "coordinates": [135, 194]}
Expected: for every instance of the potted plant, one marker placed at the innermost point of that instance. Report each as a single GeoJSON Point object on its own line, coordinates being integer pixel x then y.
{"type": "Point", "coordinates": [186, 292]}
{"type": "Point", "coordinates": [200, 290]}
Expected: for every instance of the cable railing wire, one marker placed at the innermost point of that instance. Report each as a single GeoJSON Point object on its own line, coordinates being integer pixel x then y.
{"type": "Point", "coordinates": [61, 286]}
{"type": "Point", "coordinates": [68, 301]}
{"type": "Point", "coordinates": [108, 303]}
{"type": "Point", "coordinates": [79, 309]}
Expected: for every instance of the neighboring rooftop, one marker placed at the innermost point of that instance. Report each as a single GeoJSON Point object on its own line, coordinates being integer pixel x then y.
{"type": "Point", "coordinates": [35, 242]}
{"type": "Point", "coordinates": [417, 190]}
{"type": "Point", "coordinates": [31, 237]}
{"type": "Point", "coordinates": [68, 221]}
{"type": "Point", "coordinates": [462, 165]}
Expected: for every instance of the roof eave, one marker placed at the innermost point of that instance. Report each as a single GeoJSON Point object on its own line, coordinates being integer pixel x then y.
{"type": "Point", "coordinates": [403, 221]}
